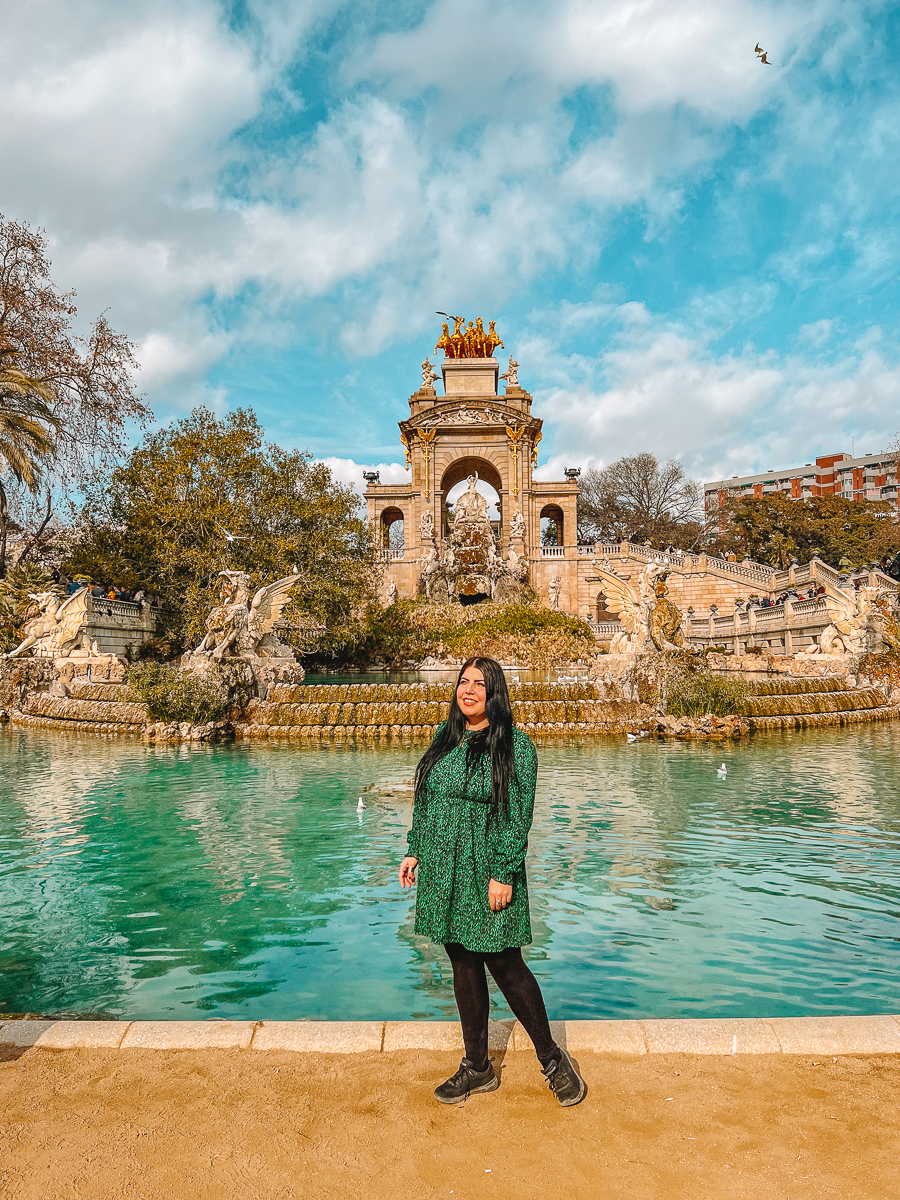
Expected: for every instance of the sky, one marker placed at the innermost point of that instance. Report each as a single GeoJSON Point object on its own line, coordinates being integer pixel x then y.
{"type": "Point", "coordinates": [687, 251]}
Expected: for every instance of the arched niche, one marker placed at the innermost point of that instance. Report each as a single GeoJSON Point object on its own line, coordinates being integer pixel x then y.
{"type": "Point", "coordinates": [392, 534]}
{"type": "Point", "coordinates": [458, 472]}
{"type": "Point", "coordinates": [552, 526]}
{"type": "Point", "coordinates": [601, 612]}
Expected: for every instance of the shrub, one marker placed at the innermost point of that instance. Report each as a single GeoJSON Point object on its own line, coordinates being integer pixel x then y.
{"type": "Point", "coordinates": [410, 630]}
{"type": "Point", "coordinates": [174, 695]}
{"type": "Point", "coordinates": [698, 693]}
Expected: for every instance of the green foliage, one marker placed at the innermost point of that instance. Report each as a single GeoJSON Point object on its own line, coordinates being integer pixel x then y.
{"type": "Point", "coordinates": [158, 522]}
{"type": "Point", "coordinates": [174, 695]}
{"type": "Point", "coordinates": [698, 693]}
{"type": "Point", "coordinates": [410, 630]}
{"type": "Point", "coordinates": [14, 602]}
{"type": "Point", "coordinates": [774, 529]}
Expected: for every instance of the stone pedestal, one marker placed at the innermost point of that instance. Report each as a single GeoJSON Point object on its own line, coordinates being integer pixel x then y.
{"type": "Point", "coordinates": [244, 679]}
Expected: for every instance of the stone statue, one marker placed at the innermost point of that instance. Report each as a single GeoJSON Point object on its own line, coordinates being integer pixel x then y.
{"type": "Point", "coordinates": [517, 528]}
{"type": "Point", "coordinates": [240, 629]}
{"type": "Point", "coordinates": [511, 374]}
{"type": "Point", "coordinates": [426, 526]}
{"type": "Point", "coordinates": [516, 564]}
{"type": "Point", "coordinates": [650, 622]}
{"type": "Point", "coordinates": [392, 594]}
{"type": "Point", "coordinates": [431, 569]}
{"type": "Point", "coordinates": [429, 374]}
{"type": "Point", "coordinates": [664, 623]}
{"type": "Point", "coordinates": [864, 622]}
{"type": "Point", "coordinates": [471, 506]}
{"type": "Point", "coordinates": [555, 586]}
{"type": "Point", "coordinates": [56, 630]}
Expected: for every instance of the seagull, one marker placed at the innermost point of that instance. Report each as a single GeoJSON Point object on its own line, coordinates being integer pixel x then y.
{"type": "Point", "coordinates": [232, 537]}
{"type": "Point", "coordinates": [722, 771]}
{"type": "Point", "coordinates": [360, 805]}
{"type": "Point", "coordinates": [632, 737]}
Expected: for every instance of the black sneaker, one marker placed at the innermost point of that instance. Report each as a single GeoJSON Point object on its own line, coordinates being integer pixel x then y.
{"type": "Point", "coordinates": [565, 1082]}
{"type": "Point", "coordinates": [467, 1082]}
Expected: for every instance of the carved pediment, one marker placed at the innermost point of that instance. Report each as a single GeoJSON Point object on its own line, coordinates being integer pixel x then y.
{"type": "Point", "coordinates": [472, 414]}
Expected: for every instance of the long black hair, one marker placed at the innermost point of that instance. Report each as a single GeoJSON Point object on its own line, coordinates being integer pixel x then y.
{"type": "Point", "coordinates": [496, 740]}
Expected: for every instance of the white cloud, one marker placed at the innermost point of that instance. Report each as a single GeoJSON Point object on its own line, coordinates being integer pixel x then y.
{"type": "Point", "coordinates": [663, 388]}
{"type": "Point", "coordinates": [119, 126]}
{"type": "Point", "coordinates": [347, 471]}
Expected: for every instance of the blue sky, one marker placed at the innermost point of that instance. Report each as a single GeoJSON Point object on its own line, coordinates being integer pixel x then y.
{"type": "Point", "coordinates": [687, 251]}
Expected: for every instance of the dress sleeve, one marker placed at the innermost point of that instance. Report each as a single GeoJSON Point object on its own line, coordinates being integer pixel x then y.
{"type": "Point", "coordinates": [414, 837]}
{"type": "Point", "coordinates": [512, 838]}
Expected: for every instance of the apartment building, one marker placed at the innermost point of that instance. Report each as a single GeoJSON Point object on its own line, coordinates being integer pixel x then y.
{"type": "Point", "coordinates": [871, 477]}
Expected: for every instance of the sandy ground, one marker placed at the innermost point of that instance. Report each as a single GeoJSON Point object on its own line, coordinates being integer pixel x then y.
{"type": "Point", "coordinates": [217, 1125]}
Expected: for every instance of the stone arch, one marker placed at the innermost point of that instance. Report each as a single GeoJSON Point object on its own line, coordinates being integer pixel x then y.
{"type": "Point", "coordinates": [389, 516]}
{"type": "Point", "coordinates": [460, 469]}
{"type": "Point", "coordinates": [553, 512]}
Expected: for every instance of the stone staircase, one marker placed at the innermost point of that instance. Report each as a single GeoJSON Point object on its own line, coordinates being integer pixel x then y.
{"type": "Point", "coordinates": [105, 707]}
{"type": "Point", "coordinates": [802, 703]}
{"type": "Point", "coordinates": [414, 710]}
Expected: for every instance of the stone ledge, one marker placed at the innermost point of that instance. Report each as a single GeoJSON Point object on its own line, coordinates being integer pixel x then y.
{"type": "Point", "coordinates": [721, 1036]}
{"type": "Point", "coordinates": [328, 1037]}
{"type": "Point", "coordinates": [187, 1035]}
{"type": "Point", "coordinates": [837, 1035]}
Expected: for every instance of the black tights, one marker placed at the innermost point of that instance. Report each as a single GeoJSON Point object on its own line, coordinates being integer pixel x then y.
{"type": "Point", "coordinates": [518, 985]}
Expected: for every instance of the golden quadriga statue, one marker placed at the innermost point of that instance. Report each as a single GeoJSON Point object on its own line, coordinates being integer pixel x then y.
{"type": "Point", "coordinates": [471, 342]}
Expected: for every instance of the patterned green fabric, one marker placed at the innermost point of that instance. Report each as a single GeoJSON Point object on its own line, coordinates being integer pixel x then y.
{"type": "Point", "coordinates": [461, 847]}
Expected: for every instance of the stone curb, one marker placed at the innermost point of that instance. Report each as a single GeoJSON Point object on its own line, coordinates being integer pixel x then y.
{"type": "Point", "coordinates": [772, 1035]}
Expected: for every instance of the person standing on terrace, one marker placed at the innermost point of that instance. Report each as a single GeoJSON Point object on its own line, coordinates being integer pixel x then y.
{"type": "Point", "coordinates": [473, 809]}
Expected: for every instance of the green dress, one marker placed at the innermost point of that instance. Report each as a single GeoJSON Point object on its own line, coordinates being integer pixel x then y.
{"type": "Point", "coordinates": [461, 847]}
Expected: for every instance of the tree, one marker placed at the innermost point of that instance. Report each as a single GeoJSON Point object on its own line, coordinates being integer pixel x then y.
{"type": "Point", "coordinates": [161, 521]}
{"type": "Point", "coordinates": [637, 497]}
{"type": "Point", "coordinates": [85, 385]}
{"type": "Point", "coordinates": [16, 604]}
{"type": "Point", "coordinates": [774, 529]}
{"type": "Point", "coordinates": [27, 427]}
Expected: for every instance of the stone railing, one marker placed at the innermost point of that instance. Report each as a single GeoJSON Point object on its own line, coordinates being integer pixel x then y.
{"type": "Point", "coordinates": [392, 555]}
{"type": "Point", "coordinates": [116, 625]}
{"type": "Point", "coordinates": [553, 552]}
{"type": "Point", "coordinates": [123, 609]}
{"type": "Point", "coordinates": [751, 573]}
{"type": "Point", "coordinates": [789, 626]}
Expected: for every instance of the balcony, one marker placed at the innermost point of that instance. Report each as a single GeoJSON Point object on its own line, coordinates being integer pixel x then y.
{"type": "Point", "coordinates": [553, 552]}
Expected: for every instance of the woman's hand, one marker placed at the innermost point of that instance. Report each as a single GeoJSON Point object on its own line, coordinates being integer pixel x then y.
{"type": "Point", "coordinates": [499, 895]}
{"type": "Point", "coordinates": [408, 872]}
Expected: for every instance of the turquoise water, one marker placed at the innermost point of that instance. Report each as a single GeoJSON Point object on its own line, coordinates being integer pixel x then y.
{"type": "Point", "coordinates": [241, 882]}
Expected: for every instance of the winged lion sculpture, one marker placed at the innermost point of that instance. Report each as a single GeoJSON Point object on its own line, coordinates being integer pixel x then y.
{"type": "Point", "coordinates": [57, 629]}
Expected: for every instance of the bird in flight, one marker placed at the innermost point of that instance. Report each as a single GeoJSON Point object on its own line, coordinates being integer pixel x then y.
{"type": "Point", "coordinates": [761, 55]}
{"type": "Point", "coordinates": [449, 316]}
{"type": "Point", "coordinates": [231, 537]}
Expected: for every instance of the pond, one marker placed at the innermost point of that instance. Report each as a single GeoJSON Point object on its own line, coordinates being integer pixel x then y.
{"type": "Point", "coordinates": [240, 881]}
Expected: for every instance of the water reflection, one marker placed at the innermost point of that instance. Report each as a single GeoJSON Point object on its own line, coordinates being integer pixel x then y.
{"type": "Point", "coordinates": [242, 881]}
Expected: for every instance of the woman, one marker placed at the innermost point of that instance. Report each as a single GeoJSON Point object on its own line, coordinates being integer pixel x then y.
{"type": "Point", "coordinates": [473, 809]}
